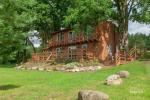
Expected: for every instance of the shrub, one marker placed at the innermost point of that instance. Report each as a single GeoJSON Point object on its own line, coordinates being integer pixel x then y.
{"type": "Point", "coordinates": [146, 55]}
{"type": "Point", "coordinates": [72, 65]}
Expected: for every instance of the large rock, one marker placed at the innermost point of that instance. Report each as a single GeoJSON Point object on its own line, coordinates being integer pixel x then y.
{"type": "Point", "coordinates": [18, 67]}
{"type": "Point", "coordinates": [34, 68]}
{"type": "Point", "coordinates": [41, 69]}
{"type": "Point", "coordinates": [113, 80]}
{"type": "Point", "coordinates": [123, 74]}
{"type": "Point", "coordinates": [92, 95]}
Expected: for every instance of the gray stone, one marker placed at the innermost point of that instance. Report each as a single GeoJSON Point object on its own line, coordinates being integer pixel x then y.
{"type": "Point", "coordinates": [23, 68]}
{"type": "Point", "coordinates": [123, 74]}
{"type": "Point", "coordinates": [92, 95]}
{"type": "Point", "coordinates": [98, 67]}
{"type": "Point", "coordinates": [75, 70]}
{"type": "Point", "coordinates": [41, 69]}
{"type": "Point", "coordinates": [48, 70]}
{"type": "Point", "coordinates": [18, 67]}
{"type": "Point", "coordinates": [34, 68]}
{"type": "Point", "coordinates": [113, 80]}
{"type": "Point", "coordinates": [29, 68]}
{"type": "Point", "coordinates": [60, 69]}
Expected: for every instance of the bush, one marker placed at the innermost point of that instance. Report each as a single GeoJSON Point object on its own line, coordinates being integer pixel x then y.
{"type": "Point", "coordinates": [146, 55]}
{"type": "Point", "coordinates": [73, 64]}
{"type": "Point", "coordinates": [91, 63]}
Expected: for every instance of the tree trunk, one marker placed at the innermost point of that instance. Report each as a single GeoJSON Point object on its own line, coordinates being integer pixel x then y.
{"type": "Point", "coordinates": [25, 51]}
{"type": "Point", "coordinates": [123, 24]}
{"type": "Point", "coordinates": [31, 44]}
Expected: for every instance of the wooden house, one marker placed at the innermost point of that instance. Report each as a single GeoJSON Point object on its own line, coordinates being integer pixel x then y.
{"type": "Point", "coordinates": [67, 45]}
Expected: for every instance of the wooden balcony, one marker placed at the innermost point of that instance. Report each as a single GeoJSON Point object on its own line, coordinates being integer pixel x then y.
{"type": "Point", "coordinates": [79, 54]}
{"type": "Point", "coordinates": [71, 41]}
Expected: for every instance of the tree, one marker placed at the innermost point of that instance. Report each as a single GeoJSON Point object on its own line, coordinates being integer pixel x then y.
{"type": "Point", "coordinates": [138, 40]}
{"type": "Point", "coordinates": [88, 13]}
{"type": "Point", "coordinates": [50, 15]}
{"type": "Point", "coordinates": [135, 10]}
{"type": "Point", "coordinates": [16, 17]}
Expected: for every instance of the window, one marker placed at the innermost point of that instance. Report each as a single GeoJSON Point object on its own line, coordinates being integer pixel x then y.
{"type": "Point", "coordinates": [71, 35]}
{"type": "Point", "coordinates": [95, 45]}
{"type": "Point", "coordinates": [58, 51]}
{"type": "Point", "coordinates": [89, 31]}
{"type": "Point", "coordinates": [72, 52]}
{"type": "Point", "coordinates": [84, 46]}
{"type": "Point", "coordinates": [49, 49]}
{"type": "Point", "coordinates": [60, 37]}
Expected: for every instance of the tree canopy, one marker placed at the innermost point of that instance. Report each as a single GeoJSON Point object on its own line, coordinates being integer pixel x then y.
{"type": "Point", "coordinates": [87, 13]}
{"type": "Point", "coordinates": [18, 17]}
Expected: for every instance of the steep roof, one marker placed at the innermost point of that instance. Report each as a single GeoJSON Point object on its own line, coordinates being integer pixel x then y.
{"type": "Point", "coordinates": [60, 31]}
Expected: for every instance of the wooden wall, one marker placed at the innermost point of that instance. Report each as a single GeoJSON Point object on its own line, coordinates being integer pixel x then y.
{"type": "Point", "coordinates": [106, 36]}
{"type": "Point", "coordinates": [105, 32]}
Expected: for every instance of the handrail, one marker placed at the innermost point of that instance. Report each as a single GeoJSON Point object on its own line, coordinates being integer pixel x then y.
{"type": "Point", "coordinates": [132, 51]}
{"type": "Point", "coordinates": [76, 39]}
{"type": "Point", "coordinates": [49, 56]}
{"type": "Point", "coordinates": [117, 58]}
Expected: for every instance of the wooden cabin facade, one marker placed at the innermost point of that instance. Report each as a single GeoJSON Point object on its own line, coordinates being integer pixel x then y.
{"type": "Point", "coordinates": [67, 45]}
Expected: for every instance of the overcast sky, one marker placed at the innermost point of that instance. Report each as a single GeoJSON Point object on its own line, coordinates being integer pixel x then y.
{"type": "Point", "coordinates": [135, 27]}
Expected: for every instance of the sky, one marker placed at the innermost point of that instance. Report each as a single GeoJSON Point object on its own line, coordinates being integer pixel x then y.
{"type": "Point", "coordinates": [134, 27]}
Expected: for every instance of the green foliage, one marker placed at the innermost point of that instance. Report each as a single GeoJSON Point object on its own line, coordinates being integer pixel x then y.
{"type": "Point", "coordinates": [72, 65]}
{"type": "Point", "coordinates": [16, 17]}
{"type": "Point", "coordinates": [50, 15]}
{"type": "Point", "coordinates": [141, 11]}
{"type": "Point", "coordinates": [146, 56]}
{"type": "Point", "coordinates": [86, 13]}
{"type": "Point", "coordinates": [141, 41]}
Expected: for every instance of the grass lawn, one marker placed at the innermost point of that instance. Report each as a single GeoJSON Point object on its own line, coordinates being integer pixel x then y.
{"type": "Point", "coordinates": [35, 85]}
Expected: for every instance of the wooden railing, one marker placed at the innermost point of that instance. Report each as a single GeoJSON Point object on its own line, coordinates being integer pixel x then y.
{"type": "Point", "coordinates": [132, 51]}
{"type": "Point", "coordinates": [77, 39]}
{"type": "Point", "coordinates": [45, 56]}
{"type": "Point", "coordinates": [122, 57]}
{"type": "Point", "coordinates": [117, 59]}
{"type": "Point", "coordinates": [79, 54]}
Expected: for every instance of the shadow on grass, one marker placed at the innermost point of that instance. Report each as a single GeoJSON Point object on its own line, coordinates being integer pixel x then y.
{"type": "Point", "coordinates": [7, 66]}
{"type": "Point", "coordinates": [8, 87]}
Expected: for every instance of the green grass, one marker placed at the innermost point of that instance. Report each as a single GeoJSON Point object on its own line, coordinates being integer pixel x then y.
{"type": "Point", "coordinates": [34, 85]}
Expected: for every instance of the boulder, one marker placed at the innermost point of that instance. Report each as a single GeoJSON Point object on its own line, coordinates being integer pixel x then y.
{"type": "Point", "coordinates": [98, 67]}
{"type": "Point", "coordinates": [41, 69]}
{"type": "Point", "coordinates": [34, 68]}
{"type": "Point", "coordinates": [28, 68]}
{"type": "Point", "coordinates": [123, 74]}
{"type": "Point", "coordinates": [23, 68]}
{"type": "Point", "coordinates": [59, 69]}
{"type": "Point", "coordinates": [92, 95]}
{"type": "Point", "coordinates": [75, 70]}
{"type": "Point", "coordinates": [48, 70]}
{"type": "Point", "coordinates": [113, 80]}
{"type": "Point", "coordinates": [18, 67]}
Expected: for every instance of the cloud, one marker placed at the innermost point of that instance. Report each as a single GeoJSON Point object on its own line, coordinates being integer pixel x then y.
{"type": "Point", "coordinates": [135, 27]}
{"type": "Point", "coordinates": [36, 45]}
{"type": "Point", "coordinates": [35, 40]}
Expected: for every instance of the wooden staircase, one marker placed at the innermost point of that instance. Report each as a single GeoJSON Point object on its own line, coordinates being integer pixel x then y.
{"type": "Point", "coordinates": [122, 57]}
